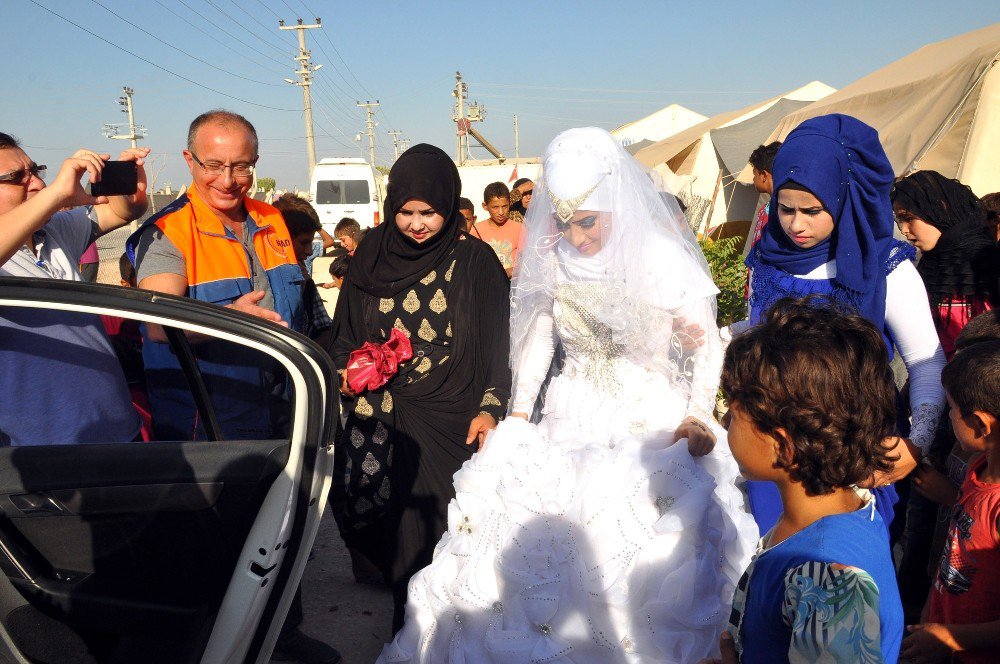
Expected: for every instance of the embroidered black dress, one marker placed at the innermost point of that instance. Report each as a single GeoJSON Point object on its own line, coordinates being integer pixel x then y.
{"type": "Point", "coordinates": [406, 440]}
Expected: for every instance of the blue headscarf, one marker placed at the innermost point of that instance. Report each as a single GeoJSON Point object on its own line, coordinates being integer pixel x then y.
{"type": "Point", "coordinates": [841, 161]}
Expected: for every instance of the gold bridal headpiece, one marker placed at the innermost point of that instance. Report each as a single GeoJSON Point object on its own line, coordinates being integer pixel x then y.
{"type": "Point", "coordinates": [565, 209]}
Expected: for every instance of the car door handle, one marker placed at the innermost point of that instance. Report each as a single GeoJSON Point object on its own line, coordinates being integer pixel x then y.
{"type": "Point", "coordinates": [261, 571]}
{"type": "Point", "coordinates": [36, 504]}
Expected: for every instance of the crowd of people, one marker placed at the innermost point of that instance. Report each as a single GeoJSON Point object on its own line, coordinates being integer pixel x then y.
{"type": "Point", "coordinates": [546, 471]}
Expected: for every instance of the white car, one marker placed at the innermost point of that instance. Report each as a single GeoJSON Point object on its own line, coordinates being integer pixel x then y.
{"type": "Point", "coordinates": [164, 551]}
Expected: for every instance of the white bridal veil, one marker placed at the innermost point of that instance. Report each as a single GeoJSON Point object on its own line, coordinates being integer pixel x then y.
{"type": "Point", "coordinates": [656, 302]}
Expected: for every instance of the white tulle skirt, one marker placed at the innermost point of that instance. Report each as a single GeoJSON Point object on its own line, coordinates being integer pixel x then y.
{"type": "Point", "coordinates": [564, 549]}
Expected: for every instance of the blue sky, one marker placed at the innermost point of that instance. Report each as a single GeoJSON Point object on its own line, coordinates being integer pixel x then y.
{"type": "Point", "coordinates": [556, 64]}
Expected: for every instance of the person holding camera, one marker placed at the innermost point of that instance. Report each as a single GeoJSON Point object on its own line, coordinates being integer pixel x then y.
{"type": "Point", "coordinates": [43, 232]}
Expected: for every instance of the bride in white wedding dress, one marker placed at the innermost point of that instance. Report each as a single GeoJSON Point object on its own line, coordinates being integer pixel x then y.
{"type": "Point", "coordinates": [593, 536]}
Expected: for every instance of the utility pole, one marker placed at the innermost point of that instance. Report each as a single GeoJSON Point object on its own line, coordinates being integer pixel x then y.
{"type": "Point", "coordinates": [305, 72]}
{"type": "Point", "coordinates": [517, 151]}
{"type": "Point", "coordinates": [368, 106]}
{"type": "Point", "coordinates": [395, 143]}
{"type": "Point", "coordinates": [135, 132]}
{"type": "Point", "coordinates": [115, 130]}
{"type": "Point", "coordinates": [462, 125]}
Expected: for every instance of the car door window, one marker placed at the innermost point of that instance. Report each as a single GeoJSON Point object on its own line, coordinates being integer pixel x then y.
{"type": "Point", "coordinates": [126, 545]}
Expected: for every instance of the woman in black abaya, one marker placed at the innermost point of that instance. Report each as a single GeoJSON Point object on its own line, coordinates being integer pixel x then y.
{"type": "Point", "coordinates": [447, 293]}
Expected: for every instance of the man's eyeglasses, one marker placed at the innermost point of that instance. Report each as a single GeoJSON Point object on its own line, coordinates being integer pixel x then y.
{"type": "Point", "coordinates": [242, 171]}
{"type": "Point", "coordinates": [24, 175]}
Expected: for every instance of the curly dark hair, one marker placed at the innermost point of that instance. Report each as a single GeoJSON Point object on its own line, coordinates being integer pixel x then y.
{"type": "Point", "coordinates": [763, 157]}
{"type": "Point", "coordinates": [822, 375]}
{"type": "Point", "coordinates": [972, 378]}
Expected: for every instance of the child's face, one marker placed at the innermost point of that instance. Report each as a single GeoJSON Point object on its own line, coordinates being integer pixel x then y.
{"type": "Point", "coordinates": [965, 433]}
{"type": "Point", "coordinates": [762, 181]}
{"type": "Point", "coordinates": [803, 218]}
{"type": "Point", "coordinates": [755, 452]}
{"type": "Point", "coordinates": [923, 235]}
{"type": "Point", "coordinates": [470, 218]}
{"type": "Point", "coordinates": [498, 208]}
{"type": "Point", "coordinates": [302, 245]}
{"type": "Point", "coordinates": [337, 281]}
{"type": "Point", "coordinates": [347, 242]}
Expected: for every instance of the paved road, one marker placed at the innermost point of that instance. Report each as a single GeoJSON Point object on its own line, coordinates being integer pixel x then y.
{"type": "Point", "coordinates": [356, 619]}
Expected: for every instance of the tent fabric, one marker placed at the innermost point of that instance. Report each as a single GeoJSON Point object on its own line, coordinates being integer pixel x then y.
{"type": "Point", "coordinates": [668, 148]}
{"type": "Point", "coordinates": [657, 126]}
{"type": "Point", "coordinates": [935, 109]}
{"type": "Point", "coordinates": [735, 142]}
{"type": "Point", "coordinates": [635, 147]}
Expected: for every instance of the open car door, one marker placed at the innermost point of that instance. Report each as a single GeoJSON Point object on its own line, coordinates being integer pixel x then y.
{"type": "Point", "coordinates": [163, 550]}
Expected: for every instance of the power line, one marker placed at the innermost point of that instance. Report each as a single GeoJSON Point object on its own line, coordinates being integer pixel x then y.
{"type": "Point", "coordinates": [160, 67]}
{"type": "Point", "coordinates": [268, 8]}
{"type": "Point", "coordinates": [180, 50]}
{"type": "Point", "coordinates": [224, 43]}
{"type": "Point", "coordinates": [223, 30]}
{"type": "Point", "coordinates": [253, 33]}
{"type": "Point", "coordinates": [636, 91]}
{"type": "Point", "coordinates": [267, 28]}
{"type": "Point", "coordinates": [571, 100]}
{"type": "Point", "coordinates": [334, 47]}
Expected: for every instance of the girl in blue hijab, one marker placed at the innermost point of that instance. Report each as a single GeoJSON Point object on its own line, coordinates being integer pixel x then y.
{"type": "Point", "coordinates": [830, 233]}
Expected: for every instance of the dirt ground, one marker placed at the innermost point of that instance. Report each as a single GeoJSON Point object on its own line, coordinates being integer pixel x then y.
{"type": "Point", "coordinates": [355, 619]}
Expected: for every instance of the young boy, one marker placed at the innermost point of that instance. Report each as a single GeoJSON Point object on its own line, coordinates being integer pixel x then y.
{"type": "Point", "coordinates": [962, 619]}
{"type": "Point", "coordinates": [338, 270]}
{"type": "Point", "coordinates": [348, 233]}
{"type": "Point", "coordinates": [812, 402]}
{"type": "Point", "coordinates": [499, 231]}
{"type": "Point", "coordinates": [468, 211]}
{"type": "Point", "coordinates": [762, 160]}
{"type": "Point", "coordinates": [303, 224]}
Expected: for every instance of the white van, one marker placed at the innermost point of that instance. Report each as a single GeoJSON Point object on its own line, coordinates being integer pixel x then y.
{"type": "Point", "coordinates": [346, 187]}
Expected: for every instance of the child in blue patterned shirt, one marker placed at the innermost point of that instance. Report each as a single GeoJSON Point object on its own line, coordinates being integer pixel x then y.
{"type": "Point", "coordinates": [812, 401]}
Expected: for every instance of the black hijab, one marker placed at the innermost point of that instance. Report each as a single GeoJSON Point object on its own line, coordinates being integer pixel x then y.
{"type": "Point", "coordinates": [387, 261]}
{"type": "Point", "coordinates": [965, 261]}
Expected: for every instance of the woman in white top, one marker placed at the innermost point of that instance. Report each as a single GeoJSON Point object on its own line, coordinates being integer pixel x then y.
{"type": "Point", "coordinates": [612, 531]}
{"type": "Point", "coordinates": [831, 234]}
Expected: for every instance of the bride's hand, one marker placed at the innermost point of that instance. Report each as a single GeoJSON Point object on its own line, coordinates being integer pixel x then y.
{"type": "Point", "coordinates": [728, 652]}
{"type": "Point", "coordinates": [909, 457]}
{"type": "Point", "coordinates": [481, 425]}
{"type": "Point", "coordinates": [523, 416]}
{"type": "Point", "coordinates": [701, 440]}
{"type": "Point", "coordinates": [690, 335]}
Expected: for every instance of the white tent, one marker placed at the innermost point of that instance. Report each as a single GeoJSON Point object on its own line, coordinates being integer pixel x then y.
{"type": "Point", "coordinates": [657, 126]}
{"type": "Point", "coordinates": [707, 157]}
{"type": "Point", "coordinates": [935, 109]}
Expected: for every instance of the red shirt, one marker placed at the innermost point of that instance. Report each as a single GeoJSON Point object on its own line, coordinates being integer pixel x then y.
{"type": "Point", "coordinates": [955, 316]}
{"type": "Point", "coordinates": [968, 580]}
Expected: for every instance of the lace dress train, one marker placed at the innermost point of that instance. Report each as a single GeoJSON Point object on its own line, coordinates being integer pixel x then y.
{"type": "Point", "coordinates": [590, 537]}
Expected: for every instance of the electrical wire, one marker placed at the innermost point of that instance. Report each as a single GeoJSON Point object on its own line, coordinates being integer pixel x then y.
{"type": "Point", "coordinates": [254, 33]}
{"type": "Point", "coordinates": [253, 49]}
{"type": "Point", "coordinates": [268, 8]}
{"type": "Point", "coordinates": [267, 28]}
{"type": "Point", "coordinates": [160, 67]}
{"type": "Point", "coordinates": [180, 50]}
{"type": "Point", "coordinates": [225, 44]}
{"type": "Point", "coordinates": [635, 91]}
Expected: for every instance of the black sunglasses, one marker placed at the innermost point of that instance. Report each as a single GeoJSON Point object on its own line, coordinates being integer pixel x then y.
{"type": "Point", "coordinates": [22, 175]}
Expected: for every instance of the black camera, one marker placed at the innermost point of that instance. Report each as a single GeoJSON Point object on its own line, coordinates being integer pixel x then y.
{"type": "Point", "coordinates": [118, 178]}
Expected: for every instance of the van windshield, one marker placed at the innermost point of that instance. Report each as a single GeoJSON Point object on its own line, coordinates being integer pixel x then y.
{"type": "Point", "coordinates": [342, 192]}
